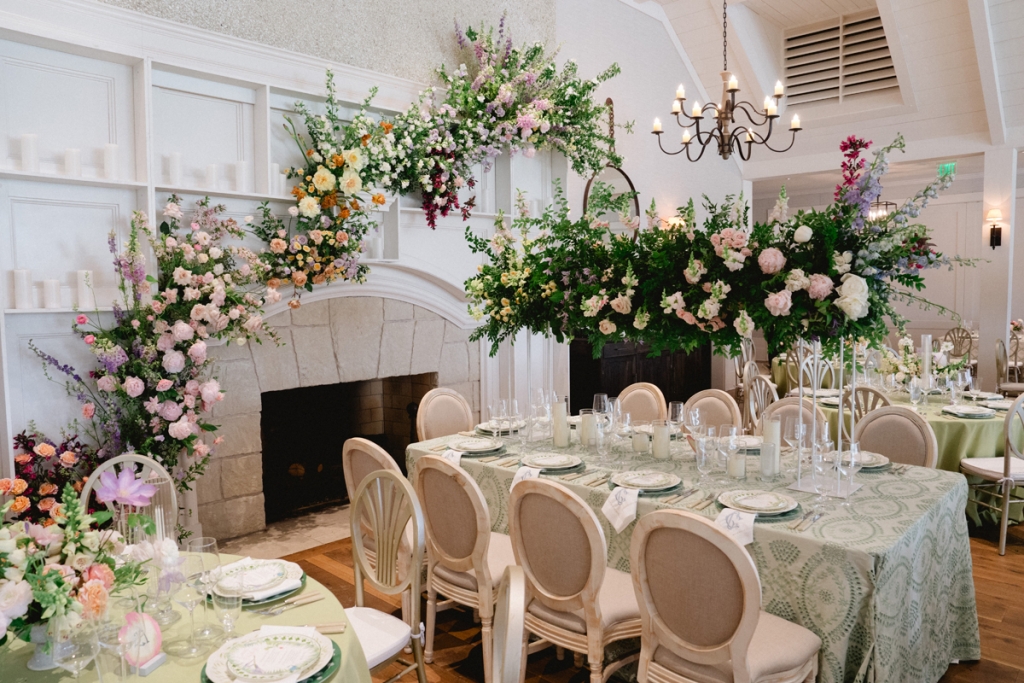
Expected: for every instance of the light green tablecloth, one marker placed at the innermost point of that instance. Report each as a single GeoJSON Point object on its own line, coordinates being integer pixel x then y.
{"type": "Point", "coordinates": [887, 585]}
{"type": "Point", "coordinates": [353, 663]}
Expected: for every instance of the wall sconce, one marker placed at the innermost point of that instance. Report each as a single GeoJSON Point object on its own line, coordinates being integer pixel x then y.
{"type": "Point", "coordinates": [995, 233]}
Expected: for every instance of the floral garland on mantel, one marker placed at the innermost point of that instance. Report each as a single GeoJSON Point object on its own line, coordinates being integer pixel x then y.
{"type": "Point", "coordinates": [507, 98]}
{"type": "Point", "coordinates": [824, 275]}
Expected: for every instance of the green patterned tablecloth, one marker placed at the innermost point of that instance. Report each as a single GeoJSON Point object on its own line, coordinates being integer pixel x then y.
{"type": "Point", "coordinates": [887, 585]}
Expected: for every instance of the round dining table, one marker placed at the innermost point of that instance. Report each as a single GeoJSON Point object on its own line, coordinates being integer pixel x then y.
{"type": "Point", "coordinates": [15, 655]}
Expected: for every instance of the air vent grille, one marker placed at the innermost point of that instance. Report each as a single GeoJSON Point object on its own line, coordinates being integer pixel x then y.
{"type": "Point", "coordinates": [838, 60]}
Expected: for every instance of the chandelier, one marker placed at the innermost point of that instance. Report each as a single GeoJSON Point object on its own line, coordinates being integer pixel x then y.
{"type": "Point", "coordinates": [880, 209]}
{"type": "Point", "coordinates": [729, 136]}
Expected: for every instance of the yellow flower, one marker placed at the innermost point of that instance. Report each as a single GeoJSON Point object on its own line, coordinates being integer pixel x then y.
{"type": "Point", "coordinates": [351, 183]}
{"type": "Point", "coordinates": [354, 158]}
{"type": "Point", "coordinates": [324, 180]}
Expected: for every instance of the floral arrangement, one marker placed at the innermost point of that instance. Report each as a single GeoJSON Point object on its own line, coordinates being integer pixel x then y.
{"type": "Point", "coordinates": [63, 571]}
{"type": "Point", "coordinates": [151, 391]}
{"type": "Point", "coordinates": [907, 364]}
{"type": "Point", "coordinates": [1017, 326]}
{"type": "Point", "coordinates": [829, 275]}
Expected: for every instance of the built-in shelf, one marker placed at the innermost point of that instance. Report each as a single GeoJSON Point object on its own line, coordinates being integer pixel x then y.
{"type": "Point", "coordinates": [69, 180]}
{"type": "Point", "coordinates": [38, 311]}
{"type": "Point", "coordinates": [232, 194]}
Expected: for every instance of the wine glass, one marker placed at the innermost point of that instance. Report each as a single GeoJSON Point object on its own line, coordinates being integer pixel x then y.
{"type": "Point", "coordinates": [615, 412]}
{"type": "Point", "coordinates": [727, 434]}
{"type": "Point", "coordinates": [916, 390]}
{"type": "Point", "coordinates": [108, 630]}
{"type": "Point", "coordinates": [190, 593]}
{"type": "Point", "coordinates": [228, 604]}
{"type": "Point", "coordinates": [600, 403]}
{"type": "Point", "coordinates": [793, 434]}
{"type": "Point", "coordinates": [207, 547]}
{"type": "Point", "coordinates": [849, 464]}
{"type": "Point", "coordinates": [706, 446]}
{"type": "Point", "coordinates": [694, 418]}
{"type": "Point", "coordinates": [75, 646]}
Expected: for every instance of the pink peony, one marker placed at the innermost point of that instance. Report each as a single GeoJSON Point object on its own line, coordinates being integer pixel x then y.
{"type": "Point", "coordinates": [201, 450]}
{"type": "Point", "coordinates": [88, 410]}
{"type": "Point", "coordinates": [170, 411]}
{"type": "Point", "coordinates": [197, 352]}
{"type": "Point", "coordinates": [89, 339]}
{"type": "Point", "coordinates": [771, 261]}
{"type": "Point", "coordinates": [779, 303]}
{"type": "Point", "coordinates": [164, 385]}
{"type": "Point", "coordinates": [82, 320]}
{"type": "Point", "coordinates": [174, 361]}
{"type": "Point", "coordinates": [821, 286]}
{"type": "Point", "coordinates": [152, 405]}
{"type": "Point", "coordinates": [107, 383]}
{"type": "Point", "coordinates": [192, 387]}
{"type": "Point", "coordinates": [210, 391]}
{"type": "Point", "coordinates": [101, 572]}
{"type": "Point", "coordinates": [180, 430]}
{"type": "Point", "coordinates": [182, 331]}
{"type": "Point", "coordinates": [133, 386]}
{"type": "Point", "coordinates": [165, 342]}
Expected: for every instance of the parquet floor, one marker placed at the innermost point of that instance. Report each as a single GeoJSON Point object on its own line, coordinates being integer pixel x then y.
{"type": "Point", "coordinates": [999, 584]}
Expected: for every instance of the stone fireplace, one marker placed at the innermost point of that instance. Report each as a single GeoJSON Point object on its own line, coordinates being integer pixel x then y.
{"type": "Point", "coordinates": [382, 346]}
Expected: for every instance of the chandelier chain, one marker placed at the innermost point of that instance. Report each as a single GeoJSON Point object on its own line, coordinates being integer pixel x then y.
{"type": "Point", "coordinates": [725, 35]}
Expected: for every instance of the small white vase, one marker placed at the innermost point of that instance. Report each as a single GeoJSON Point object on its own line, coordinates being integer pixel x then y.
{"type": "Point", "coordinates": [42, 658]}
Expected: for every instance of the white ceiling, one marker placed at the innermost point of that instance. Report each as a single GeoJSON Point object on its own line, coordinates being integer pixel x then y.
{"type": "Point", "coordinates": [793, 13]}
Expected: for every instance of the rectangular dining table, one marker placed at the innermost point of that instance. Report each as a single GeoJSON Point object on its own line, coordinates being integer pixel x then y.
{"type": "Point", "coordinates": [887, 584]}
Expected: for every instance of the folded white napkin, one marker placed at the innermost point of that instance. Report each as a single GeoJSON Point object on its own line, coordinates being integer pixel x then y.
{"type": "Point", "coordinates": [270, 630]}
{"type": "Point", "coordinates": [452, 456]}
{"type": "Point", "coordinates": [283, 587]}
{"type": "Point", "coordinates": [524, 473]}
{"type": "Point", "coordinates": [739, 525]}
{"type": "Point", "coordinates": [620, 508]}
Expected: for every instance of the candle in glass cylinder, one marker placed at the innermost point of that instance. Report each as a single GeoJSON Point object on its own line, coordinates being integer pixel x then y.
{"type": "Point", "coordinates": [641, 441]}
{"type": "Point", "coordinates": [772, 433]}
{"type": "Point", "coordinates": [559, 422]}
{"type": "Point", "coordinates": [588, 428]}
{"type": "Point", "coordinates": [737, 465]}
{"type": "Point", "coordinates": [769, 461]}
{"type": "Point", "coordinates": [660, 439]}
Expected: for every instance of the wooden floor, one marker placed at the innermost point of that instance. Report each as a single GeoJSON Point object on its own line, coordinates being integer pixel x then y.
{"type": "Point", "coordinates": [999, 583]}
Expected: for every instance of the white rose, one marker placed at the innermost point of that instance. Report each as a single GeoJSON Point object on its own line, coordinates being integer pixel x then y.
{"type": "Point", "coordinates": [309, 206]}
{"type": "Point", "coordinates": [853, 296]}
{"type": "Point", "coordinates": [802, 234]}
{"type": "Point", "coordinates": [15, 597]}
{"type": "Point", "coordinates": [216, 252]}
{"type": "Point", "coordinates": [796, 280]}
{"type": "Point", "coordinates": [606, 327]}
{"type": "Point", "coordinates": [293, 211]}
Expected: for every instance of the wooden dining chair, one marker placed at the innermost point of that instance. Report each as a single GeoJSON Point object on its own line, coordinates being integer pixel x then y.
{"type": "Point", "coordinates": [742, 357]}
{"type": "Point", "coordinates": [791, 406]}
{"type": "Point", "coordinates": [509, 627]}
{"type": "Point", "coordinates": [900, 434]}
{"type": "Point", "coordinates": [716, 407]}
{"type": "Point", "coordinates": [963, 345]}
{"type": "Point", "coordinates": [1000, 476]}
{"type": "Point", "coordinates": [465, 559]}
{"type": "Point", "coordinates": [387, 500]}
{"type": "Point", "coordinates": [795, 357]}
{"type": "Point", "coordinates": [760, 395]}
{"type": "Point", "coordinates": [644, 402]}
{"type": "Point", "coordinates": [700, 605]}
{"type": "Point", "coordinates": [443, 412]}
{"type": "Point", "coordinates": [149, 470]}
{"type": "Point", "coordinates": [573, 600]}
{"type": "Point", "coordinates": [1016, 359]}
{"type": "Point", "coordinates": [1003, 385]}
{"type": "Point", "coordinates": [860, 403]}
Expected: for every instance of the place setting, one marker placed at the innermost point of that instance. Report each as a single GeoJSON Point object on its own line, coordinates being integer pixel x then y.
{"type": "Point", "coordinates": [275, 654]}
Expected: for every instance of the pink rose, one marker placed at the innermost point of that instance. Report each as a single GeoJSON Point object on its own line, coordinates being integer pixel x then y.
{"type": "Point", "coordinates": [192, 387]}
{"type": "Point", "coordinates": [152, 405]}
{"type": "Point", "coordinates": [821, 286]}
{"type": "Point", "coordinates": [174, 362]}
{"type": "Point", "coordinates": [89, 339]}
{"type": "Point", "coordinates": [210, 391]}
{"type": "Point", "coordinates": [165, 342]}
{"type": "Point", "coordinates": [164, 385]}
{"type": "Point", "coordinates": [82, 320]}
{"type": "Point", "coordinates": [157, 308]}
{"type": "Point", "coordinates": [107, 383]}
{"type": "Point", "coordinates": [197, 352]}
{"type": "Point", "coordinates": [180, 430]}
{"type": "Point", "coordinates": [182, 331]}
{"type": "Point", "coordinates": [88, 410]}
{"type": "Point", "coordinates": [133, 386]}
{"type": "Point", "coordinates": [779, 303]}
{"type": "Point", "coordinates": [686, 317]}
{"type": "Point", "coordinates": [201, 450]}
{"type": "Point", "coordinates": [771, 261]}
{"type": "Point", "coordinates": [189, 401]}
{"type": "Point", "coordinates": [170, 411]}
{"type": "Point", "coordinates": [101, 573]}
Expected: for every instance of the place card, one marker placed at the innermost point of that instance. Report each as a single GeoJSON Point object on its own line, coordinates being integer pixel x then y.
{"type": "Point", "coordinates": [620, 508]}
{"type": "Point", "coordinates": [453, 456]}
{"type": "Point", "coordinates": [739, 525]}
{"type": "Point", "coordinates": [524, 473]}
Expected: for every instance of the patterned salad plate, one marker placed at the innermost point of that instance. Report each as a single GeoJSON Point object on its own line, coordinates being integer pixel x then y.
{"type": "Point", "coordinates": [997, 405]}
{"type": "Point", "coordinates": [758, 502]}
{"type": "Point", "coordinates": [552, 461]}
{"type": "Point", "coordinates": [969, 412]}
{"type": "Point", "coordinates": [264, 657]}
{"type": "Point", "coordinates": [473, 445]}
{"type": "Point", "coordinates": [646, 480]}
{"type": "Point", "coordinates": [869, 460]}
{"type": "Point", "coordinates": [259, 575]}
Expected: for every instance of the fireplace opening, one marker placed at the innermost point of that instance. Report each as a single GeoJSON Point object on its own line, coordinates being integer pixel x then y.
{"type": "Point", "coordinates": [304, 429]}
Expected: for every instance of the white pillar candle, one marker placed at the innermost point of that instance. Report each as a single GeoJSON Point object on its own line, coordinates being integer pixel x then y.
{"type": "Point", "coordinates": [29, 155]}
{"type": "Point", "coordinates": [174, 169]}
{"type": "Point", "coordinates": [23, 289]}
{"type": "Point", "coordinates": [560, 423]}
{"type": "Point", "coordinates": [73, 162]}
{"type": "Point", "coordinates": [51, 293]}
{"type": "Point", "coordinates": [737, 465]}
{"type": "Point", "coordinates": [110, 169]}
{"type": "Point", "coordinates": [769, 460]}
{"type": "Point", "coordinates": [211, 176]}
{"type": "Point", "coordinates": [657, 126]}
{"type": "Point", "coordinates": [282, 185]}
{"type": "Point", "coordinates": [588, 428]}
{"type": "Point", "coordinates": [275, 189]}
{"type": "Point", "coordinates": [86, 297]}
{"type": "Point", "coordinates": [660, 439]}
{"type": "Point", "coordinates": [240, 173]}
{"type": "Point", "coordinates": [641, 441]}
{"type": "Point", "coordinates": [926, 360]}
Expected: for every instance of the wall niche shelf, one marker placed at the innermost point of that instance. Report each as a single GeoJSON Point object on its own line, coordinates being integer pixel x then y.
{"type": "Point", "coordinates": [59, 179]}
{"type": "Point", "coordinates": [207, 192]}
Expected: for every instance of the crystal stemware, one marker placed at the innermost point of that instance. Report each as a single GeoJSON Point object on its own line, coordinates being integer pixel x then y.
{"type": "Point", "coordinates": [75, 645]}
{"type": "Point", "coordinates": [191, 592]}
{"type": "Point", "coordinates": [207, 547]}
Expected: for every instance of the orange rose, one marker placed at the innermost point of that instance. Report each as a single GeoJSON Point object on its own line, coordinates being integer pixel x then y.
{"type": "Point", "coordinates": [354, 204]}
{"type": "Point", "coordinates": [20, 504]}
{"type": "Point", "coordinates": [310, 152]}
{"type": "Point", "coordinates": [379, 199]}
{"type": "Point", "coordinates": [18, 487]}
{"type": "Point", "coordinates": [79, 485]}
{"type": "Point", "coordinates": [298, 192]}
{"type": "Point", "coordinates": [57, 513]}
{"type": "Point", "coordinates": [344, 213]}
{"type": "Point", "coordinates": [48, 489]}
{"type": "Point", "coordinates": [338, 160]}
{"type": "Point", "coordinates": [274, 283]}
{"type": "Point", "coordinates": [101, 573]}
{"type": "Point", "coordinates": [329, 201]}
{"type": "Point", "coordinates": [294, 303]}
{"type": "Point", "coordinates": [5, 486]}
{"type": "Point", "coordinates": [93, 596]}
{"type": "Point", "coordinates": [319, 279]}
{"type": "Point", "coordinates": [298, 278]}
{"type": "Point", "coordinates": [48, 522]}
{"type": "Point", "coordinates": [23, 458]}
{"type": "Point", "coordinates": [45, 450]}
{"type": "Point", "coordinates": [46, 503]}
{"type": "Point", "coordinates": [68, 458]}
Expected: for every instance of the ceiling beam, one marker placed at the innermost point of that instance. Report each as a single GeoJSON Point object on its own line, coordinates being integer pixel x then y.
{"type": "Point", "coordinates": [984, 47]}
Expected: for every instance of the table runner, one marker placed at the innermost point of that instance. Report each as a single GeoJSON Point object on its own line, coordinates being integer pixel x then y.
{"type": "Point", "coordinates": [887, 586]}
{"type": "Point", "coordinates": [353, 663]}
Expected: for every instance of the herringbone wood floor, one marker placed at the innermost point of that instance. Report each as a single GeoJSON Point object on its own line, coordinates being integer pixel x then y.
{"type": "Point", "coordinates": [999, 583]}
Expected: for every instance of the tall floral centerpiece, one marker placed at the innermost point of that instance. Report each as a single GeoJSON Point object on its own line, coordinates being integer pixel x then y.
{"type": "Point", "coordinates": [152, 390]}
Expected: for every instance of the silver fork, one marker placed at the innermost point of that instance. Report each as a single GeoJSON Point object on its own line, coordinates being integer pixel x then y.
{"type": "Point", "coordinates": [298, 602]}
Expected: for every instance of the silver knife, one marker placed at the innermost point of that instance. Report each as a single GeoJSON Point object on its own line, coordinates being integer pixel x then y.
{"type": "Point", "coordinates": [795, 523]}
{"type": "Point", "coordinates": [807, 525]}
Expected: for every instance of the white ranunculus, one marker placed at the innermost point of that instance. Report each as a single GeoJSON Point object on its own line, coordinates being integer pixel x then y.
{"type": "Point", "coordinates": [853, 296]}
{"type": "Point", "coordinates": [309, 206]}
{"type": "Point", "coordinates": [802, 234]}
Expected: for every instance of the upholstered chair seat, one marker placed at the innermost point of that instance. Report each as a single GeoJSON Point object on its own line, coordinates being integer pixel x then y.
{"type": "Point", "coordinates": [499, 556]}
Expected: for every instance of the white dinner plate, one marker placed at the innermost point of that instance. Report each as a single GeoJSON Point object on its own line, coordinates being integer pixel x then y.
{"type": "Point", "coordinates": [259, 575]}
{"type": "Point", "coordinates": [217, 667]}
{"type": "Point", "coordinates": [969, 412]}
{"type": "Point", "coordinates": [832, 401]}
{"type": "Point", "coordinates": [503, 427]}
{"type": "Point", "coordinates": [646, 480]}
{"type": "Point", "coordinates": [997, 405]}
{"type": "Point", "coordinates": [982, 396]}
{"type": "Point", "coordinates": [758, 502]}
{"type": "Point", "coordinates": [474, 445]}
{"type": "Point", "coordinates": [551, 461]}
{"type": "Point", "coordinates": [273, 657]}
{"type": "Point", "coordinates": [869, 460]}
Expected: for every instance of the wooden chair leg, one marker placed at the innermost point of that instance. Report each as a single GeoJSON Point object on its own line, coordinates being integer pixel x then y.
{"type": "Point", "coordinates": [407, 613]}
{"type": "Point", "coordinates": [559, 652]}
{"type": "Point", "coordinates": [1004, 520]}
{"type": "Point", "coordinates": [596, 670]}
{"type": "Point", "coordinates": [417, 651]}
{"type": "Point", "coordinates": [487, 636]}
{"type": "Point", "coordinates": [577, 659]}
{"type": "Point", "coordinates": [522, 669]}
{"type": "Point", "coordinates": [428, 655]}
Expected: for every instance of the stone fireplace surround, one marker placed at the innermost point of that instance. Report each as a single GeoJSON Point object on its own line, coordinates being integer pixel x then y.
{"type": "Point", "coordinates": [328, 341]}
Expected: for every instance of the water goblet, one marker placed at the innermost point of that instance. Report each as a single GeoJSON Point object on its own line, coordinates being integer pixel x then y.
{"type": "Point", "coordinates": [706, 446]}
{"type": "Point", "coordinates": [191, 592]}
{"type": "Point", "coordinates": [206, 546]}
{"type": "Point", "coordinates": [228, 604]}
{"type": "Point", "coordinates": [916, 389]}
{"type": "Point", "coordinates": [75, 645]}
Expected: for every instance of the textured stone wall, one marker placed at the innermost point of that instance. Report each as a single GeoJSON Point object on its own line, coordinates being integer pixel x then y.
{"type": "Point", "coordinates": [346, 339]}
{"type": "Point", "coordinates": [408, 38]}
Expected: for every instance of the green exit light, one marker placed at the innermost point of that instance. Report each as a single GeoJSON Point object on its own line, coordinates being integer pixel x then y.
{"type": "Point", "coordinates": [947, 169]}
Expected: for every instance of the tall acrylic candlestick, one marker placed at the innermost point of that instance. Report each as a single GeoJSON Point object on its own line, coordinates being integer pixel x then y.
{"type": "Point", "coordinates": [839, 436]}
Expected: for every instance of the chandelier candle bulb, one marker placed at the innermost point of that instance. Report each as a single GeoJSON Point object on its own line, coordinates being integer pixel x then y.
{"type": "Point", "coordinates": [773, 109]}
{"type": "Point", "coordinates": [767, 102]}
{"type": "Point", "coordinates": [110, 170]}
{"type": "Point", "coordinates": [749, 136]}
{"type": "Point", "coordinates": [778, 89]}
{"type": "Point", "coordinates": [733, 83]}
{"type": "Point", "coordinates": [51, 293]}
{"type": "Point", "coordinates": [23, 290]}
{"type": "Point", "coordinates": [657, 126]}
{"type": "Point", "coordinates": [795, 125]}
{"type": "Point", "coordinates": [677, 107]}
{"type": "Point", "coordinates": [680, 92]}
{"type": "Point", "coordinates": [696, 110]}
{"type": "Point", "coordinates": [686, 137]}
{"type": "Point", "coordinates": [73, 162]}
{"type": "Point", "coordinates": [86, 297]}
